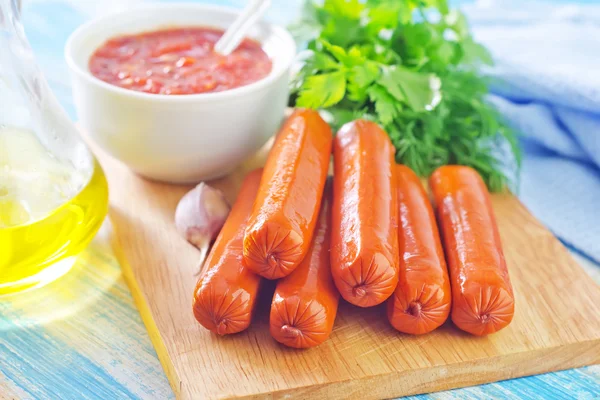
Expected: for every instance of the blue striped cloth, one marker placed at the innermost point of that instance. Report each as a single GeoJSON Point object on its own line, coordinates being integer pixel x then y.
{"type": "Point", "coordinates": [547, 85]}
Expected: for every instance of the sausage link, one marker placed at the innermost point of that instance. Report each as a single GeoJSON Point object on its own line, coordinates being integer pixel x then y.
{"type": "Point", "coordinates": [286, 209]}
{"type": "Point", "coordinates": [482, 295]}
{"type": "Point", "coordinates": [364, 242]}
{"type": "Point", "coordinates": [305, 302]}
{"type": "Point", "coordinates": [421, 301]}
{"type": "Point", "coordinates": [226, 293]}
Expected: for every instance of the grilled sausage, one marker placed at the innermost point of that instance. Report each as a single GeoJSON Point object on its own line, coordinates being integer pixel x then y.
{"type": "Point", "coordinates": [364, 241]}
{"type": "Point", "coordinates": [421, 301]}
{"type": "Point", "coordinates": [285, 212]}
{"type": "Point", "coordinates": [482, 295]}
{"type": "Point", "coordinates": [226, 292]}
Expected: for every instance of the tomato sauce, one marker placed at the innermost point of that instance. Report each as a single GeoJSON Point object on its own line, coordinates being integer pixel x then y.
{"type": "Point", "coordinates": [178, 61]}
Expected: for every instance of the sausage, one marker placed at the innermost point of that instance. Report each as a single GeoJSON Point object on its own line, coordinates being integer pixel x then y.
{"type": "Point", "coordinates": [364, 241]}
{"type": "Point", "coordinates": [422, 299]}
{"type": "Point", "coordinates": [305, 302]}
{"type": "Point", "coordinates": [482, 295]}
{"type": "Point", "coordinates": [226, 293]}
{"type": "Point", "coordinates": [286, 209]}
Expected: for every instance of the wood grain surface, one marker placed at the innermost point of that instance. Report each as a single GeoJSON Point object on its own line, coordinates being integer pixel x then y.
{"type": "Point", "coordinates": [556, 324]}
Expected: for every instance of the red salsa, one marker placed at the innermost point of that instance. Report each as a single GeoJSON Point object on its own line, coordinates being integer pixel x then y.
{"type": "Point", "coordinates": [178, 61]}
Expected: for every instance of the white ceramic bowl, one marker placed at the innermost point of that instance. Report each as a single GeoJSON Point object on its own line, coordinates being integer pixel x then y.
{"type": "Point", "coordinates": [183, 138]}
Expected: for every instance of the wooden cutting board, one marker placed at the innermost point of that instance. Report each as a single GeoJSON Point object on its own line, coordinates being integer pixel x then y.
{"type": "Point", "coordinates": [556, 324]}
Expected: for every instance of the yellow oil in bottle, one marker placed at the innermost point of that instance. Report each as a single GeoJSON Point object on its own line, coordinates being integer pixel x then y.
{"type": "Point", "coordinates": [48, 212]}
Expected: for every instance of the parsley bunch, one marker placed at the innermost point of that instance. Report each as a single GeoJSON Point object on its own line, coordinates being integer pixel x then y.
{"type": "Point", "coordinates": [411, 66]}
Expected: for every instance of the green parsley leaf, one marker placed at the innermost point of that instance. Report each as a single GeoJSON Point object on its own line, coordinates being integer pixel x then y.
{"type": "Point", "coordinates": [383, 16]}
{"type": "Point", "coordinates": [324, 90]}
{"type": "Point", "coordinates": [341, 31]}
{"type": "Point", "coordinates": [360, 78]}
{"type": "Point", "coordinates": [474, 53]}
{"type": "Point", "coordinates": [420, 91]}
{"type": "Point", "coordinates": [458, 23]}
{"type": "Point", "coordinates": [322, 62]}
{"type": "Point", "coordinates": [346, 8]}
{"type": "Point", "coordinates": [385, 105]}
{"type": "Point", "coordinates": [349, 59]}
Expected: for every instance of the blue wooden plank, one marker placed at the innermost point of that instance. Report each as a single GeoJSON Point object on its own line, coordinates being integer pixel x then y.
{"type": "Point", "coordinates": [80, 337]}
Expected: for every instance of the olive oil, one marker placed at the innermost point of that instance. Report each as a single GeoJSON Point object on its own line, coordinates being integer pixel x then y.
{"type": "Point", "coordinates": [48, 212]}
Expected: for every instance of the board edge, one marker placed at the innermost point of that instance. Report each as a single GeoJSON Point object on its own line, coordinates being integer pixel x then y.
{"type": "Point", "coordinates": [145, 312]}
{"type": "Point", "coordinates": [587, 353]}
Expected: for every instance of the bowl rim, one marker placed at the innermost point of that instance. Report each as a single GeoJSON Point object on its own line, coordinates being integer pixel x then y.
{"type": "Point", "coordinates": [229, 94]}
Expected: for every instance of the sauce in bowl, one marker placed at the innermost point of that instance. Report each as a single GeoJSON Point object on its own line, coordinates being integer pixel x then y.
{"type": "Point", "coordinates": [178, 61]}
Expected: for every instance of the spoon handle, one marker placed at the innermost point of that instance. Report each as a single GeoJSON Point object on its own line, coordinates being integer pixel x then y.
{"type": "Point", "coordinates": [242, 24]}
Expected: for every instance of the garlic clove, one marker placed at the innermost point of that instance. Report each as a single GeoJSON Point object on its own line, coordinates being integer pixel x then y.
{"type": "Point", "coordinates": [200, 215]}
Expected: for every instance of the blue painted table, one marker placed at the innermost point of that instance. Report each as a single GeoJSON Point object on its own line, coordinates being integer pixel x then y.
{"type": "Point", "coordinates": [81, 337]}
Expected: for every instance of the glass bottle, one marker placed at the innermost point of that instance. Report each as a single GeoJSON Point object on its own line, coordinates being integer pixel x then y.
{"type": "Point", "coordinates": [53, 193]}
